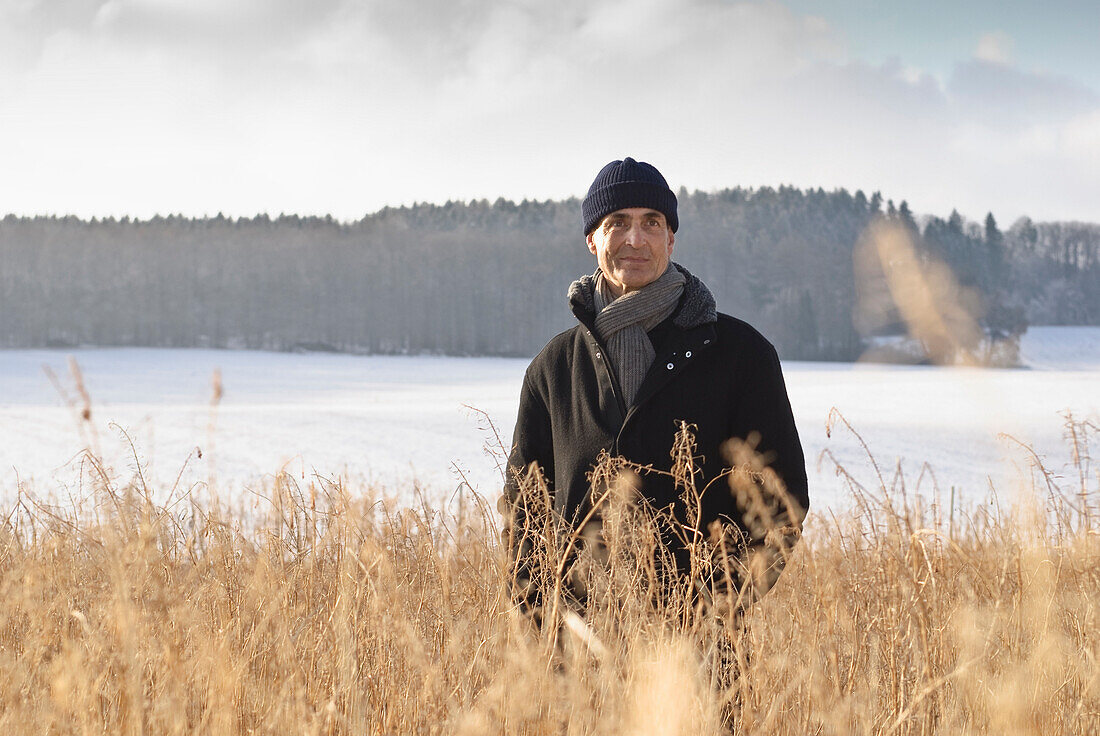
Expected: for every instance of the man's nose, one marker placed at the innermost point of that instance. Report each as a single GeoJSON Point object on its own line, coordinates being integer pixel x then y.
{"type": "Point", "coordinates": [635, 234]}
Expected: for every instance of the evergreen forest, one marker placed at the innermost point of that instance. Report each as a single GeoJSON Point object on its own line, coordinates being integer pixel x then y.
{"type": "Point", "coordinates": [481, 278]}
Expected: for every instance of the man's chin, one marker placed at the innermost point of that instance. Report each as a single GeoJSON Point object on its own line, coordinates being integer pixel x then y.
{"type": "Point", "coordinates": [633, 284]}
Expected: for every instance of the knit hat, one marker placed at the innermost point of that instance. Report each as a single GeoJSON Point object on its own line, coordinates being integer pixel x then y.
{"type": "Point", "coordinates": [628, 183]}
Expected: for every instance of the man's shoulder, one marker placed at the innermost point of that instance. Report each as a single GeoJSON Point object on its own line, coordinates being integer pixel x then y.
{"type": "Point", "coordinates": [561, 348]}
{"type": "Point", "coordinates": [744, 346]}
{"type": "Point", "coordinates": [740, 335]}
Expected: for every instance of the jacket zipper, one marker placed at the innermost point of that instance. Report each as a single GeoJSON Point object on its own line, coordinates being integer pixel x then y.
{"type": "Point", "coordinates": [614, 382]}
{"type": "Point", "coordinates": [627, 415]}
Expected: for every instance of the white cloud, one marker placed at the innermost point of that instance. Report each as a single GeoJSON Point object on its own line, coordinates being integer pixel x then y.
{"type": "Point", "coordinates": [995, 47]}
{"type": "Point", "coordinates": [140, 106]}
{"type": "Point", "coordinates": [1006, 96]}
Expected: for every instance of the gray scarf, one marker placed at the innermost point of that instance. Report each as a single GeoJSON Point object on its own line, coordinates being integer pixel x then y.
{"type": "Point", "coordinates": [623, 323]}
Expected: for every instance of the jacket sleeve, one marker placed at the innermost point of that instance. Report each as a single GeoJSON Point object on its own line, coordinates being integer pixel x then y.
{"type": "Point", "coordinates": [764, 410]}
{"type": "Point", "coordinates": [532, 447]}
{"type": "Point", "coordinates": [768, 412]}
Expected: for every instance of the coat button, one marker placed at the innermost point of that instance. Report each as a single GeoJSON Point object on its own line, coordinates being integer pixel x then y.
{"type": "Point", "coordinates": [687, 354]}
{"type": "Point", "coordinates": [670, 366]}
{"type": "Point", "coordinates": [597, 355]}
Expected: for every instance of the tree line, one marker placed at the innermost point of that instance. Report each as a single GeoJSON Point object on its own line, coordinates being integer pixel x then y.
{"type": "Point", "coordinates": [481, 278]}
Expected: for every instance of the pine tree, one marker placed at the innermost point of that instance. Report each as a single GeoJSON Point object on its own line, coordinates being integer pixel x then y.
{"type": "Point", "coordinates": [905, 217]}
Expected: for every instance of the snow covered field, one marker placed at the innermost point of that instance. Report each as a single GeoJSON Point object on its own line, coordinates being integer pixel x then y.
{"type": "Point", "coordinates": [399, 420]}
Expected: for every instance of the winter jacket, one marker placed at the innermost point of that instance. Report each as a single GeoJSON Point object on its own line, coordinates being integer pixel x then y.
{"type": "Point", "coordinates": [711, 370]}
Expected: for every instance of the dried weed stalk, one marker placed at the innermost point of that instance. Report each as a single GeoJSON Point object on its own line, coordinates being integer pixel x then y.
{"type": "Point", "coordinates": [332, 610]}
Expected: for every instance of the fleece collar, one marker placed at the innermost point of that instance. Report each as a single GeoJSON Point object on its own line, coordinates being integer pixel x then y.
{"type": "Point", "coordinates": [697, 305]}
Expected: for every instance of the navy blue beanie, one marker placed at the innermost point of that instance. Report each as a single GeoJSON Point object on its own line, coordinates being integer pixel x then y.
{"type": "Point", "coordinates": [628, 183]}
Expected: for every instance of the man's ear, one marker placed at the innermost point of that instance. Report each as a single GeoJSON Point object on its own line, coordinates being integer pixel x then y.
{"type": "Point", "coordinates": [591, 243]}
{"type": "Point", "coordinates": [671, 241]}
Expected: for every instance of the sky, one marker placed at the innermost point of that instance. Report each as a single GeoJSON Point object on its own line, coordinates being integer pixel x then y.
{"type": "Point", "coordinates": [341, 107]}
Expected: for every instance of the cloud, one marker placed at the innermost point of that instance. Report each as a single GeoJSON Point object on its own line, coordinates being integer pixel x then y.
{"type": "Point", "coordinates": [342, 106]}
{"type": "Point", "coordinates": [26, 24]}
{"type": "Point", "coordinates": [1000, 95]}
{"type": "Point", "coordinates": [994, 47]}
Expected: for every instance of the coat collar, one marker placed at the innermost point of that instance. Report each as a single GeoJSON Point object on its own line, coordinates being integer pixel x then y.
{"type": "Point", "coordinates": [697, 305]}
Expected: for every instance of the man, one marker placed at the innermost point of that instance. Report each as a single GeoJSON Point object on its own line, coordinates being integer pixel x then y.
{"type": "Point", "coordinates": [650, 353]}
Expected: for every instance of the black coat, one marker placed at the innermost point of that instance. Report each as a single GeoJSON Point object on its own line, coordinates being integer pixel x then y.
{"type": "Point", "coordinates": [711, 370]}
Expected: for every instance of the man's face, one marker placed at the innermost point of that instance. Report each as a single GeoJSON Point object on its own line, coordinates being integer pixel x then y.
{"type": "Point", "coordinates": [632, 248]}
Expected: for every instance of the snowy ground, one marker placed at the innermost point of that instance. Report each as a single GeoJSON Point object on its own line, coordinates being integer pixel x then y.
{"type": "Point", "coordinates": [399, 420]}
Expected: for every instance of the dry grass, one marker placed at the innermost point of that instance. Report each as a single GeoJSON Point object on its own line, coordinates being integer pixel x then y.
{"type": "Point", "coordinates": [334, 612]}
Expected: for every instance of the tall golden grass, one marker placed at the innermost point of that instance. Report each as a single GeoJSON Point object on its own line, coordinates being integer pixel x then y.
{"type": "Point", "coordinates": [332, 610]}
